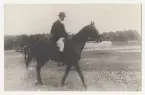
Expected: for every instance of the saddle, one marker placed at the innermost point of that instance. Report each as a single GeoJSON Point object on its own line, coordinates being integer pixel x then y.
{"type": "Point", "coordinates": [55, 53]}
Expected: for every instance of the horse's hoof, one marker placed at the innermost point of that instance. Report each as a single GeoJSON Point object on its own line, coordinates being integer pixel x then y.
{"type": "Point", "coordinates": [39, 83]}
{"type": "Point", "coordinates": [62, 83]}
{"type": "Point", "coordinates": [85, 87]}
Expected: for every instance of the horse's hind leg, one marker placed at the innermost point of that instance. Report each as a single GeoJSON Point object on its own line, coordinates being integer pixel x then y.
{"type": "Point", "coordinates": [65, 75]}
{"type": "Point", "coordinates": [81, 75]}
{"type": "Point", "coordinates": [38, 69]}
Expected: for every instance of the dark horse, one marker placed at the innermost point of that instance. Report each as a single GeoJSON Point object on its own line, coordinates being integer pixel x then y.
{"type": "Point", "coordinates": [71, 55]}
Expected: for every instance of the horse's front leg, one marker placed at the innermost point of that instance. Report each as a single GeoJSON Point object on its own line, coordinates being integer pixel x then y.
{"type": "Point", "coordinates": [38, 69]}
{"type": "Point", "coordinates": [66, 74]}
{"type": "Point", "coordinates": [80, 74]}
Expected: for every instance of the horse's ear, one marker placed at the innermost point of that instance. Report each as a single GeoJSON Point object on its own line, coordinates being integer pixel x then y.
{"type": "Point", "coordinates": [92, 23]}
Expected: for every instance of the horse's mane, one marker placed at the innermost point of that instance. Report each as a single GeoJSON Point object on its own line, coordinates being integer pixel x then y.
{"type": "Point", "coordinates": [77, 35]}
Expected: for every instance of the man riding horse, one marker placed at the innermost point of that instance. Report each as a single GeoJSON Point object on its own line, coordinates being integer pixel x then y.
{"type": "Point", "coordinates": [58, 31]}
{"type": "Point", "coordinates": [44, 48]}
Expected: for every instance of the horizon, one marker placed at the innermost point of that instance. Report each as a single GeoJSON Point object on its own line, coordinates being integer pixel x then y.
{"type": "Point", "coordinates": [38, 18]}
{"type": "Point", "coordinates": [49, 33]}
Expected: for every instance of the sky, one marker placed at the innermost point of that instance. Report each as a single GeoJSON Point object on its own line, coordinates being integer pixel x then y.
{"type": "Point", "coordinates": [38, 18]}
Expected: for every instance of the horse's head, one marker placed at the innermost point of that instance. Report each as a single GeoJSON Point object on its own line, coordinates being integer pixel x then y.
{"type": "Point", "coordinates": [92, 32]}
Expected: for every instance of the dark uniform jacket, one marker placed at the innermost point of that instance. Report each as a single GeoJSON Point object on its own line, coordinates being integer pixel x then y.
{"type": "Point", "coordinates": [58, 31]}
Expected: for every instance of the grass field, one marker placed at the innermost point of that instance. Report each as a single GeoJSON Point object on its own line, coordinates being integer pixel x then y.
{"type": "Point", "coordinates": [105, 70]}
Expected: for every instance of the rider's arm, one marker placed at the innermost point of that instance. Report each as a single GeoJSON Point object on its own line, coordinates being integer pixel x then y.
{"type": "Point", "coordinates": [64, 33]}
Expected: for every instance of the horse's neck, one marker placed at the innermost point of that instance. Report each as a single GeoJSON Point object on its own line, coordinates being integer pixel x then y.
{"type": "Point", "coordinates": [80, 40]}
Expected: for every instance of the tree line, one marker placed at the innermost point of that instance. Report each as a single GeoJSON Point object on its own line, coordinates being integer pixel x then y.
{"type": "Point", "coordinates": [14, 42]}
{"type": "Point", "coordinates": [121, 36]}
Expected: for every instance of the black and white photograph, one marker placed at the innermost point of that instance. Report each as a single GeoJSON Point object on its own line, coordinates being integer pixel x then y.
{"type": "Point", "coordinates": [72, 47]}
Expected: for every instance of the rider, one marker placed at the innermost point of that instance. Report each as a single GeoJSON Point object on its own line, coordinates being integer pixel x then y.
{"type": "Point", "coordinates": [58, 29]}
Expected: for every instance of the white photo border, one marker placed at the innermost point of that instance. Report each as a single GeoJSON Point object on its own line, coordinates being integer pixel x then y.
{"type": "Point", "coordinates": [66, 2]}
